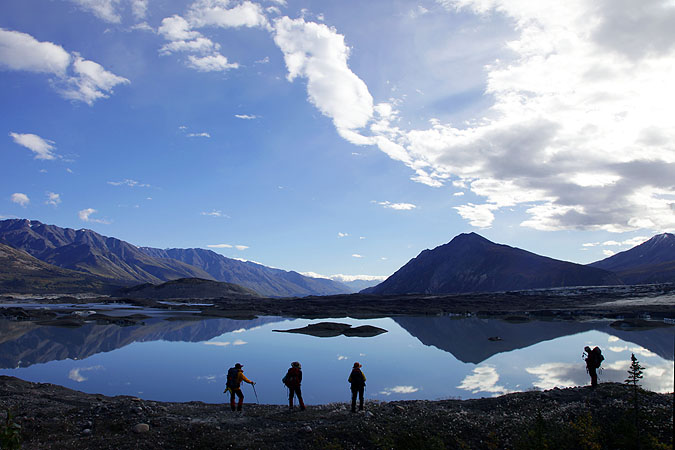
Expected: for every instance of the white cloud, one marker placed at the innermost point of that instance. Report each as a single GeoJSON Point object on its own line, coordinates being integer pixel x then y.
{"type": "Point", "coordinates": [206, 135]}
{"type": "Point", "coordinates": [398, 206]}
{"type": "Point", "coordinates": [238, 247]}
{"type": "Point", "coordinates": [103, 9]}
{"type": "Point", "coordinates": [319, 54]}
{"type": "Point", "coordinates": [341, 235]}
{"type": "Point", "coordinates": [215, 213]}
{"type": "Point", "coordinates": [88, 82]}
{"type": "Point", "coordinates": [479, 216]}
{"type": "Point", "coordinates": [579, 131]}
{"type": "Point", "coordinates": [20, 199]}
{"type": "Point", "coordinates": [128, 182]}
{"type": "Point", "coordinates": [21, 51]}
{"type": "Point", "coordinates": [560, 375]}
{"type": "Point", "coordinates": [483, 379]}
{"type": "Point", "coordinates": [239, 342]}
{"type": "Point", "coordinates": [356, 255]}
{"type": "Point", "coordinates": [399, 390]}
{"type": "Point", "coordinates": [53, 199]}
{"type": "Point", "coordinates": [91, 82]}
{"type": "Point", "coordinates": [608, 253]}
{"type": "Point", "coordinates": [40, 146]}
{"type": "Point", "coordinates": [214, 13]}
{"type": "Point", "coordinates": [342, 357]}
{"type": "Point", "coordinates": [139, 8]}
{"type": "Point", "coordinates": [245, 116]}
{"type": "Point", "coordinates": [345, 278]}
{"type": "Point", "coordinates": [75, 374]}
{"type": "Point", "coordinates": [85, 216]}
{"type": "Point", "coordinates": [211, 63]}
{"type": "Point", "coordinates": [217, 343]}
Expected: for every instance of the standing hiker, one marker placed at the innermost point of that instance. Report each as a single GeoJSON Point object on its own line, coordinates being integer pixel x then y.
{"type": "Point", "coordinates": [234, 378]}
{"type": "Point", "coordinates": [593, 360]}
{"type": "Point", "coordinates": [358, 384]}
{"type": "Point", "coordinates": [292, 380]}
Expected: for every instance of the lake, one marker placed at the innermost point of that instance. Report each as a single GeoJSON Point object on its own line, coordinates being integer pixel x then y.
{"type": "Point", "coordinates": [418, 357]}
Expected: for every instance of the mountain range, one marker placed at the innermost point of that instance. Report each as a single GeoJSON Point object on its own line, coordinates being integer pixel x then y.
{"type": "Point", "coordinates": [471, 263]}
{"type": "Point", "coordinates": [123, 264]}
{"type": "Point", "coordinates": [40, 258]}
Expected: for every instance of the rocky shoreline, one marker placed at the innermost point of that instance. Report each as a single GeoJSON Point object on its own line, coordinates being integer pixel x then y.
{"type": "Point", "coordinates": [51, 416]}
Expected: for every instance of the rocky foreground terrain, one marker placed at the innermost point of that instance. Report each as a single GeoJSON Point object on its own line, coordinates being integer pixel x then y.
{"type": "Point", "coordinates": [51, 416]}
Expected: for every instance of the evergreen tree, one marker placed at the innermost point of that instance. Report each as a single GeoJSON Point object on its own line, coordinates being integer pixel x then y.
{"type": "Point", "coordinates": [634, 376]}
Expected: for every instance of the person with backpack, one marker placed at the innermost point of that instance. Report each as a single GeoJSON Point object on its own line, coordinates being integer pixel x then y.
{"type": "Point", "coordinates": [357, 380]}
{"type": "Point", "coordinates": [292, 380]}
{"type": "Point", "coordinates": [234, 378]}
{"type": "Point", "coordinates": [593, 360]}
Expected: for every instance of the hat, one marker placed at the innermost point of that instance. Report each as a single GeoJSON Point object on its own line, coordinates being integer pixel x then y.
{"type": "Point", "coordinates": [238, 366]}
{"type": "Point", "coordinates": [357, 365]}
{"type": "Point", "coordinates": [296, 364]}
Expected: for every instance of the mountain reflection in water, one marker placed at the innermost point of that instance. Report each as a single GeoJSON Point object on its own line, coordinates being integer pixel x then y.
{"type": "Point", "coordinates": [418, 358]}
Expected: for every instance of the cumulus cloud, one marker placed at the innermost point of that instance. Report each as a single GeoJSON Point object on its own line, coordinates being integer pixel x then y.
{"type": "Point", "coordinates": [319, 54]}
{"type": "Point", "coordinates": [217, 343]}
{"type": "Point", "coordinates": [245, 116]}
{"type": "Point", "coordinates": [483, 379]}
{"type": "Point", "coordinates": [53, 199]}
{"type": "Point", "coordinates": [103, 9]}
{"type": "Point", "coordinates": [75, 374]}
{"type": "Point", "coordinates": [42, 148]}
{"type": "Point", "coordinates": [579, 131]}
{"type": "Point", "coordinates": [400, 390]}
{"type": "Point", "coordinates": [398, 206]}
{"type": "Point", "coordinates": [356, 255]}
{"type": "Point", "coordinates": [215, 13]}
{"type": "Point", "coordinates": [341, 235]}
{"type": "Point", "coordinates": [562, 375]}
{"type": "Point", "coordinates": [202, 134]}
{"type": "Point", "coordinates": [20, 199]}
{"type": "Point", "coordinates": [75, 77]}
{"type": "Point", "coordinates": [85, 216]}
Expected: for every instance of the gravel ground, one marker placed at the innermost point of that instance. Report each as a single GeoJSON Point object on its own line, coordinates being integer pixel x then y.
{"type": "Point", "coordinates": [51, 416]}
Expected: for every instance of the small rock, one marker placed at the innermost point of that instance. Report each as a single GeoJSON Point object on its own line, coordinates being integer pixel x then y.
{"type": "Point", "coordinates": [399, 408]}
{"type": "Point", "coordinates": [142, 428]}
{"type": "Point", "coordinates": [86, 432]}
{"type": "Point", "coordinates": [307, 429]}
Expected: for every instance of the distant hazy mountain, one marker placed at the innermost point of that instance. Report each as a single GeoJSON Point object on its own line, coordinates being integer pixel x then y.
{"type": "Point", "coordinates": [186, 288]}
{"type": "Point", "coordinates": [652, 261]}
{"type": "Point", "coordinates": [89, 252]}
{"type": "Point", "coordinates": [359, 285]}
{"type": "Point", "coordinates": [21, 273]}
{"type": "Point", "coordinates": [471, 263]}
{"type": "Point", "coordinates": [263, 280]}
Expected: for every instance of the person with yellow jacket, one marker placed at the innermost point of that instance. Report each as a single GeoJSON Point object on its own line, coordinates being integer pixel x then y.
{"type": "Point", "coordinates": [235, 375]}
{"type": "Point", "coordinates": [357, 380]}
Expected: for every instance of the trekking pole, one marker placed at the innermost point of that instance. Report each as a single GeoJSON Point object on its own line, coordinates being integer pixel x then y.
{"type": "Point", "coordinates": [256, 394]}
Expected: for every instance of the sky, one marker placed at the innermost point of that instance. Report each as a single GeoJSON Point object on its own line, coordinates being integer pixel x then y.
{"type": "Point", "coordinates": [341, 138]}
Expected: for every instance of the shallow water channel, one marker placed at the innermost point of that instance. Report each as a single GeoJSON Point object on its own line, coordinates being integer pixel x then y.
{"type": "Point", "coordinates": [417, 358]}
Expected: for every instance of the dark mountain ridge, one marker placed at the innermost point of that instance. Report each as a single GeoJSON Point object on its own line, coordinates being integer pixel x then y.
{"type": "Point", "coordinates": [652, 261]}
{"type": "Point", "coordinates": [187, 288]}
{"type": "Point", "coordinates": [89, 252]}
{"type": "Point", "coordinates": [471, 263]}
{"type": "Point", "coordinates": [262, 279]}
{"type": "Point", "coordinates": [122, 263]}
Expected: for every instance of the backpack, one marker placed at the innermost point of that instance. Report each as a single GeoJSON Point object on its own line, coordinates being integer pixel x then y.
{"type": "Point", "coordinates": [597, 358]}
{"type": "Point", "coordinates": [291, 378]}
{"type": "Point", "coordinates": [356, 378]}
{"type": "Point", "coordinates": [232, 375]}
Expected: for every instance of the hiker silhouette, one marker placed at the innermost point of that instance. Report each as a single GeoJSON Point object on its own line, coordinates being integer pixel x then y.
{"type": "Point", "coordinates": [358, 384]}
{"type": "Point", "coordinates": [235, 375]}
{"type": "Point", "coordinates": [593, 360]}
{"type": "Point", "coordinates": [292, 380]}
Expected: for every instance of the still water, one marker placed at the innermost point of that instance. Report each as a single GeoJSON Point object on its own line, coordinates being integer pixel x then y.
{"type": "Point", "coordinates": [418, 357]}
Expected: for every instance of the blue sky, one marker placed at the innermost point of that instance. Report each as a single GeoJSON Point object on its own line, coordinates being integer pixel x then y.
{"type": "Point", "coordinates": [341, 137]}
